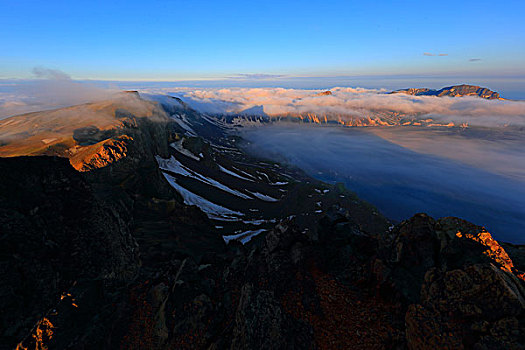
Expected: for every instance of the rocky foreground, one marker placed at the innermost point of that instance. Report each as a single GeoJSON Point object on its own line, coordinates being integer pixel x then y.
{"type": "Point", "coordinates": [103, 253]}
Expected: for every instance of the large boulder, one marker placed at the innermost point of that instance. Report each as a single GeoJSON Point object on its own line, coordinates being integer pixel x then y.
{"type": "Point", "coordinates": [461, 288]}
{"type": "Point", "coordinates": [480, 306]}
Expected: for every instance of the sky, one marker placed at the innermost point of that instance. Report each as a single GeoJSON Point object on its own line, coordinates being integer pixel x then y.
{"type": "Point", "coordinates": [269, 40]}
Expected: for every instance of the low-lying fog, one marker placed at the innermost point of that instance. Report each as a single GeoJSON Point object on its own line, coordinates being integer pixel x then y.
{"type": "Point", "coordinates": [475, 174]}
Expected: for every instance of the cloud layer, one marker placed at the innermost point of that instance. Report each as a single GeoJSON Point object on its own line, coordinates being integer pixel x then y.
{"type": "Point", "coordinates": [55, 89]}
{"type": "Point", "coordinates": [479, 176]}
{"type": "Point", "coordinates": [52, 89]}
{"type": "Point", "coordinates": [353, 102]}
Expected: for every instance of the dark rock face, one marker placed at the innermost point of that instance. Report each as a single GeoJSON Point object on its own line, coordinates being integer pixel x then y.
{"type": "Point", "coordinates": [55, 233]}
{"type": "Point", "coordinates": [465, 308]}
{"type": "Point", "coordinates": [425, 284]}
{"type": "Point", "coordinates": [258, 321]}
{"type": "Point", "coordinates": [452, 91]}
{"type": "Point", "coordinates": [413, 251]}
{"type": "Point", "coordinates": [286, 292]}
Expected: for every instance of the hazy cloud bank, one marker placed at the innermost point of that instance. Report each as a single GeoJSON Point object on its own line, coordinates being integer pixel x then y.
{"type": "Point", "coordinates": [476, 175]}
{"type": "Point", "coordinates": [353, 102]}
{"type": "Point", "coordinates": [52, 89]}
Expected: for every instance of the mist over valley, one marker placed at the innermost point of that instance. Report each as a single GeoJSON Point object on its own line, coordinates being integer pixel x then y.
{"type": "Point", "coordinates": [407, 170]}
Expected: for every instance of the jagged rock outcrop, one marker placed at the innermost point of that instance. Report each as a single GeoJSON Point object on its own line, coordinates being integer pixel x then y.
{"type": "Point", "coordinates": [283, 292]}
{"type": "Point", "coordinates": [479, 306]}
{"type": "Point", "coordinates": [100, 154]}
{"type": "Point", "coordinates": [463, 289]}
{"type": "Point", "coordinates": [452, 91]}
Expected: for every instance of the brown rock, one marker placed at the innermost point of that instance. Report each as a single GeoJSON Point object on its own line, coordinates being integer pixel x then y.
{"type": "Point", "coordinates": [426, 330]}
{"type": "Point", "coordinates": [465, 307]}
{"type": "Point", "coordinates": [100, 154]}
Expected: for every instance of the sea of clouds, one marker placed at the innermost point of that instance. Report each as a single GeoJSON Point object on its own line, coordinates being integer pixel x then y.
{"type": "Point", "coordinates": [54, 89]}
{"type": "Point", "coordinates": [475, 175]}
{"type": "Point", "coordinates": [351, 103]}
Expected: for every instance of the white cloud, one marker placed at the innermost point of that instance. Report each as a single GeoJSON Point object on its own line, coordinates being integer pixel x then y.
{"type": "Point", "coordinates": [433, 54]}
{"type": "Point", "coordinates": [52, 89]}
{"type": "Point", "coordinates": [352, 102]}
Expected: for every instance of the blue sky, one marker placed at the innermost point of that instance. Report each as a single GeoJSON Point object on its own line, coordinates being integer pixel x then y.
{"type": "Point", "coordinates": [192, 40]}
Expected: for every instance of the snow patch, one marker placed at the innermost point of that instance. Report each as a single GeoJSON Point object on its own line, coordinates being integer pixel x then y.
{"type": "Point", "coordinates": [215, 121]}
{"type": "Point", "coordinates": [259, 221]}
{"type": "Point", "coordinates": [265, 175]}
{"type": "Point", "coordinates": [183, 123]}
{"type": "Point", "coordinates": [173, 165]}
{"type": "Point", "coordinates": [177, 167]}
{"type": "Point", "coordinates": [180, 148]}
{"type": "Point", "coordinates": [243, 237]}
{"type": "Point", "coordinates": [212, 210]}
{"type": "Point", "coordinates": [263, 197]}
{"type": "Point", "coordinates": [229, 172]}
{"type": "Point", "coordinates": [279, 183]}
{"type": "Point", "coordinates": [47, 141]}
{"type": "Point", "coordinates": [244, 172]}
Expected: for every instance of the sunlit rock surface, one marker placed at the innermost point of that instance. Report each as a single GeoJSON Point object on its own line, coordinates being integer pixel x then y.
{"type": "Point", "coordinates": [453, 91]}
{"type": "Point", "coordinates": [92, 135]}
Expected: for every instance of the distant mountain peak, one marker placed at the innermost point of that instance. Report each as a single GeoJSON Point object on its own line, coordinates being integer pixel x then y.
{"type": "Point", "coordinates": [452, 91]}
{"type": "Point", "coordinates": [132, 92]}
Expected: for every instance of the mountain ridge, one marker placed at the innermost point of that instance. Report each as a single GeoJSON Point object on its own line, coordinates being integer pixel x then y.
{"type": "Point", "coordinates": [291, 263]}
{"type": "Point", "coordinates": [452, 91]}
